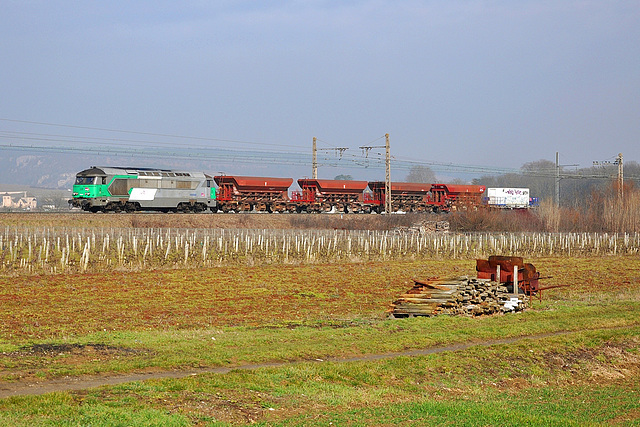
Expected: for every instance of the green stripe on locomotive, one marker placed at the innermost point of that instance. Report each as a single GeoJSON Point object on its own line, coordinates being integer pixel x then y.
{"type": "Point", "coordinates": [93, 190]}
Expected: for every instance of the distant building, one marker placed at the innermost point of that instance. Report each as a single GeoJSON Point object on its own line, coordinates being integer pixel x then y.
{"type": "Point", "coordinates": [18, 200]}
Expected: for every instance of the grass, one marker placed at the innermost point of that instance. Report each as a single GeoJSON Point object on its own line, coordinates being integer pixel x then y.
{"type": "Point", "coordinates": [548, 382]}
{"type": "Point", "coordinates": [234, 346]}
{"type": "Point", "coordinates": [119, 322]}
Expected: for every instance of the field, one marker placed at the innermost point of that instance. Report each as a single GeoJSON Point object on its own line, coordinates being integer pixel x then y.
{"type": "Point", "coordinates": [306, 340]}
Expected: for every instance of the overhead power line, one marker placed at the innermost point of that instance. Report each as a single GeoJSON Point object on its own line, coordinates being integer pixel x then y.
{"type": "Point", "coordinates": [165, 135]}
{"type": "Point", "coordinates": [201, 148]}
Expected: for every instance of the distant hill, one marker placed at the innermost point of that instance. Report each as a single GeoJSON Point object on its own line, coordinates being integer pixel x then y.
{"type": "Point", "coordinates": [54, 171]}
{"type": "Point", "coordinates": [58, 171]}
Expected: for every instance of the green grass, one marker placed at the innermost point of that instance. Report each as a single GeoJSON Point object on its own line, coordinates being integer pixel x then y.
{"type": "Point", "coordinates": [549, 381]}
{"type": "Point", "coordinates": [540, 407]}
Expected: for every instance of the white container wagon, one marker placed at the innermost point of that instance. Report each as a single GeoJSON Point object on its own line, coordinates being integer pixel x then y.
{"type": "Point", "coordinates": [508, 198]}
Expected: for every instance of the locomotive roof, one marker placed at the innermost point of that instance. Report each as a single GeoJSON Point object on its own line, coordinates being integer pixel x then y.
{"type": "Point", "coordinates": [114, 170]}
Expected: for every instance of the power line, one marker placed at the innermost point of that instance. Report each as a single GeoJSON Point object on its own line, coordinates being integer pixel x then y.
{"type": "Point", "coordinates": [165, 135]}
{"type": "Point", "coordinates": [287, 158]}
{"type": "Point", "coordinates": [294, 155]}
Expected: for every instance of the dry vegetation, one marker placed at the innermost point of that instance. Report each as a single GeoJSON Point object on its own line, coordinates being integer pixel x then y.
{"type": "Point", "coordinates": [78, 219]}
{"type": "Point", "coordinates": [54, 250]}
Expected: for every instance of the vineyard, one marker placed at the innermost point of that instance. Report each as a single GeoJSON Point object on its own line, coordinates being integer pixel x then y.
{"type": "Point", "coordinates": [63, 250]}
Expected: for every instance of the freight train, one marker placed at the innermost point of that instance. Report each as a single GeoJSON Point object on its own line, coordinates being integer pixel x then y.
{"type": "Point", "coordinates": [113, 189]}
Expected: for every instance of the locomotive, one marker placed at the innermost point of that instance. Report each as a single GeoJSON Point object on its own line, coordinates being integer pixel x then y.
{"type": "Point", "coordinates": [102, 189]}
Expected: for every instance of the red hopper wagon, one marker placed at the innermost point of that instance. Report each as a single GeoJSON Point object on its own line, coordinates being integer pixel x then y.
{"type": "Point", "coordinates": [326, 195]}
{"type": "Point", "coordinates": [451, 197]}
{"type": "Point", "coordinates": [245, 193]}
{"type": "Point", "coordinates": [405, 196]}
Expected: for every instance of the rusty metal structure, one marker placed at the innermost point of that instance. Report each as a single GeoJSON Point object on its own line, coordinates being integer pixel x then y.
{"type": "Point", "coordinates": [501, 269]}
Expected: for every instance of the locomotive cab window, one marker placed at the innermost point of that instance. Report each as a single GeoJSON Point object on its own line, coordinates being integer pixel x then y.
{"type": "Point", "coordinates": [86, 180]}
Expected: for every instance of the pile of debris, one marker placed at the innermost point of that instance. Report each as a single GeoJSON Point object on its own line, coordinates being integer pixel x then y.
{"type": "Point", "coordinates": [424, 227]}
{"type": "Point", "coordinates": [434, 226]}
{"type": "Point", "coordinates": [458, 296]}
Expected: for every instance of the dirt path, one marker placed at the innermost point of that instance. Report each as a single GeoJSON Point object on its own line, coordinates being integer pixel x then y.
{"type": "Point", "coordinates": [87, 382]}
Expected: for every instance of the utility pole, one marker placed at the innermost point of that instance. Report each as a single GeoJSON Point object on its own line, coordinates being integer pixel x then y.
{"type": "Point", "coordinates": [314, 163]}
{"type": "Point", "coordinates": [620, 177]}
{"type": "Point", "coordinates": [620, 181]}
{"type": "Point", "coordinates": [314, 156]}
{"type": "Point", "coordinates": [558, 167]}
{"type": "Point", "coordinates": [557, 180]}
{"type": "Point", "coordinates": [387, 180]}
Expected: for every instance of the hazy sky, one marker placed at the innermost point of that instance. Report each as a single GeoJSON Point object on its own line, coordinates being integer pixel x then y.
{"type": "Point", "coordinates": [493, 83]}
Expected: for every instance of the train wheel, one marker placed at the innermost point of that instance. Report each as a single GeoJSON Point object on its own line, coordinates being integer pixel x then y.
{"type": "Point", "coordinates": [184, 207]}
{"type": "Point", "coordinates": [130, 207]}
{"type": "Point", "coordinates": [113, 207]}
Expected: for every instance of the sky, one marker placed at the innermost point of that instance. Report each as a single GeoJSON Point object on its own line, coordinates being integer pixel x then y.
{"type": "Point", "coordinates": [493, 84]}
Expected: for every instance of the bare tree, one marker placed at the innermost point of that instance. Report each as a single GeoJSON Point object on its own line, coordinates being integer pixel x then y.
{"type": "Point", "coordinates": [419, 173]}
{"type": "Point", "coordinates": [344, 177]}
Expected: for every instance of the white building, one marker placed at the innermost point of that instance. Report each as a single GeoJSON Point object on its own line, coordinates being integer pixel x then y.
{"type": "Point", "coordinates": [18, 200]}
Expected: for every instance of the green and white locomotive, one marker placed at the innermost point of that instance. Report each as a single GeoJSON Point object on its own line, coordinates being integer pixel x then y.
{"type": "Point", "coordinates": [113, 189]}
